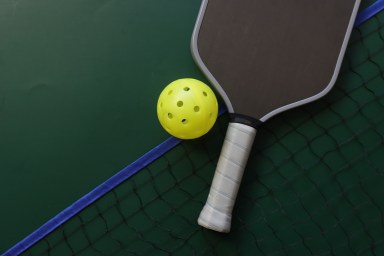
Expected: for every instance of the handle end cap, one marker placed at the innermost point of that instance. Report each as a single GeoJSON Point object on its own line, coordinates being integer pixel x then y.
{"type": "Point", "coordinates": [215, 220]}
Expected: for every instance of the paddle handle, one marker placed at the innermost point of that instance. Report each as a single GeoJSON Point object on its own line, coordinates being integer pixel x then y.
{"type": "Point", "coordinates": [217, 212]}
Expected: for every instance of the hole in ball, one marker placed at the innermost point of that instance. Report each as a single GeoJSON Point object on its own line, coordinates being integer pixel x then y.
{"type": "Point", "coordinates": [184, 121]}
{"type": "Point", "coordinates": [180, 103]}
{"type": "Point", "coordinates": [170, 92]}
{"type": "Point", "coordinates": [205, 94]}
{"type": "Point", "coordinates": [196, 108]}
{"type": "Point", "coordinates": [170, 116]}
{"type": "Point", "coordinates": [186, 89]}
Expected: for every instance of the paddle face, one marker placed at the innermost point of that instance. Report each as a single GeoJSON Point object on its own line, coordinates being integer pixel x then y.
{"type": "Point", "coordinates": [266, 56]}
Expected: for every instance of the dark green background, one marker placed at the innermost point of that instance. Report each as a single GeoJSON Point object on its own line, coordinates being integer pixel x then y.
{"type": "Point", "coordinates": [79, 81]}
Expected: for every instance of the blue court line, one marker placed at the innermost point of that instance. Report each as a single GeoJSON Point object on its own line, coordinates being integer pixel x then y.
{"type": "Point", "coordinates": [131, 169]}
{"type": "Point", "coordinates": [369, 12]}
{"type": "Point", "coordinates": [92, 196]}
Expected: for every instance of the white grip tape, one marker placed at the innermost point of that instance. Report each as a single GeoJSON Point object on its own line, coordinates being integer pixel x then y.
{"type": "Point", "coordinates": [217, 212]}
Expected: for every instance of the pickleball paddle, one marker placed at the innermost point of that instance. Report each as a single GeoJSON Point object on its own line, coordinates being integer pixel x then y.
{"type": "Point", "coordinates": [264, 57]}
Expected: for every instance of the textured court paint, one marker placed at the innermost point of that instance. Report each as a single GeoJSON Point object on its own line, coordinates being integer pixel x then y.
{"type": "Point", "coordinates": [79, 81]}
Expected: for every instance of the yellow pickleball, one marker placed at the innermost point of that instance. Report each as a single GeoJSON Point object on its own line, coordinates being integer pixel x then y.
{"type": "Point", "coordinates": [187, 108]}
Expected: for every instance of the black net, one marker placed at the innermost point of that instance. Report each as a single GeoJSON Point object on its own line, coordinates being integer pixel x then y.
{"type": "Point", "coordinates": [314, 184]}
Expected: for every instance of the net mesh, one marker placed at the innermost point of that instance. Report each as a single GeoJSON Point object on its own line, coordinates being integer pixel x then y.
{"type": "Point", "coordinates": [314, 184]}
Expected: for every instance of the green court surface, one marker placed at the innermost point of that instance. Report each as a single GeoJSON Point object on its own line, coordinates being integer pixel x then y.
{"type": "Point", "coordinates": [79, 82]}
